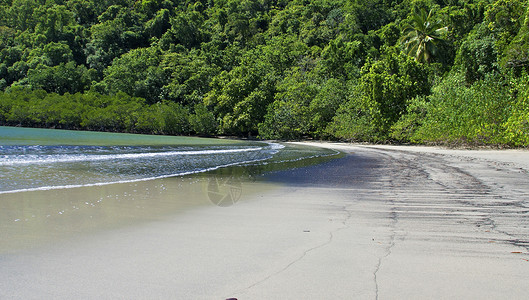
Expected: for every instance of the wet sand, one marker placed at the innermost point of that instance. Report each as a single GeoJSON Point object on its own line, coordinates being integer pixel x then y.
{"type": "Point", "coordinates": [380, 223]}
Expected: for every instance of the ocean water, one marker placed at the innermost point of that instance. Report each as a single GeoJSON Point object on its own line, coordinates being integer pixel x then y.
{"type": "Point", "coordinates": [45, 159]}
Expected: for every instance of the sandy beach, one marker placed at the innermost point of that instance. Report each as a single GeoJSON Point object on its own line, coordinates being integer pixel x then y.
{"type": "Point", "coordinates": [382, 222]}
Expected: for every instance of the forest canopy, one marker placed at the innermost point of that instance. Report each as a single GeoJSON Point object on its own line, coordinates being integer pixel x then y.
{"type": "Point", "coordinates": [412, 71]}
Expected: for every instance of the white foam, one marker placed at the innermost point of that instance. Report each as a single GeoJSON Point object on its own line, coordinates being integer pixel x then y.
{"type": "Point", "coordinates": [60, 187]}
{"type": "Point", "coordinates": [44, 159]}
{"type": "Point", "coordinates": [271, 149]}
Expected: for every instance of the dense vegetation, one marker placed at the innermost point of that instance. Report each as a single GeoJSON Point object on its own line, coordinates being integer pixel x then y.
{"type": "Point", "coordinates": [422, 71]}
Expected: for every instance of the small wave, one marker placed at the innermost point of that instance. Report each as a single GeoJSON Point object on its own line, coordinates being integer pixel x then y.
{"type": "Point", "coordinates": [275, 146]}
{"type": "Point", "coordinates": [162, 163]}
{"type": "Point", "coordinates": [44, 159]}
{"type": "Point", "coordinates": [61, 187]}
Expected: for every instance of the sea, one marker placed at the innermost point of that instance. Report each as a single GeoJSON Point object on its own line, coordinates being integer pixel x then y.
{"type": "Point", "coordinates": [33, 159]}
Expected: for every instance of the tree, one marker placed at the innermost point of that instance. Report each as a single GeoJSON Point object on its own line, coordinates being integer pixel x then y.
{"type": "Point", "coordinates": [63, 78]}
{"type": "Point", "coordinates": [516, 55]}
{"type": "Point", "coordinates": [202, 121]}
{"type": "Point", "coordinates": [324, 105]}
{"type": "Point", "coordinates": [342, 60]}
{"type": "Point", "coordinates": [517, 124]}
{"type": "Point", "coordinates": [380, 98]}
{"type": "Point", "coordinates": [289, 116]}
{"type": "Point", "coordinates": [475, 114]}
{"type": "Point", "coordinates": [136, 73]}
{"type": "Point", "coordinates": [118, 31]}
{"type": "Point", "coordinates": [422, 35]}
{"type": "Point", "coordinates": [189, 77]}
{"type": "Point", "coordinates": [477, 56]}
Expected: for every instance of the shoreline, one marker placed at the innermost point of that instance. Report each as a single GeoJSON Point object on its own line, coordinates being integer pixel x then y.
{"type": "Point", "coordinates": [456, 147]}
{"type": "Point", "coordinates": [382, 222]}
{"type": "Point", "coordinates": [517, 156]}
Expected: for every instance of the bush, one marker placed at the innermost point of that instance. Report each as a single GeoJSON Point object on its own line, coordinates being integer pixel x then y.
{"type": "Point", "coordinates": [325, 104]}
{"type": "Point", "coordinates": [285, 120]}
{"type": "Point", "coordinates": [176, 119]}
{"type": "Point", "coordinates": [404, 129]}
{"type": "Point", "coordinates": [380, 98]}
{"type": "Point", "coordinates": [149, 121]}
{"type": "Point", "coordinates": [517, 125]}
{"type": "Point", "coordinates": [356, 120]}
{"type": "Point", "coordinates": [202, 121]}
{"type": "Point", "coordinates": [463, 114]}
{"type": "Point", "coordinates": [289, 116]}
{"type": "Point", "coordinates": [477, 55]}
{"type": "Point", "coordinates": [117, 113]}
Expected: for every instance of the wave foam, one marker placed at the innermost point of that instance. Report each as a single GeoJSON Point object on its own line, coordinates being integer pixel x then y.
{"type": "Point", "coordinates": [44, 159]}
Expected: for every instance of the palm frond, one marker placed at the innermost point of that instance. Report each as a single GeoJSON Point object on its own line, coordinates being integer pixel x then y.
{"type": "Point", "coordinates": [422, 34]}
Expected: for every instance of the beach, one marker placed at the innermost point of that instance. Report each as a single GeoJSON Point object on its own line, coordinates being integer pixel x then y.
{"type": "Point", "coordinates": [381, 222]}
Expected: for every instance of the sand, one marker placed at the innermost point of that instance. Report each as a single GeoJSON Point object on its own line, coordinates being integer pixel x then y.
{"type": "Point", "coordinates": [383, 222]}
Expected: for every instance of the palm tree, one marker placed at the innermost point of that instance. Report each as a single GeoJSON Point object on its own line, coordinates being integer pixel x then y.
{"type": "Point", "coordinates": [422, 35]}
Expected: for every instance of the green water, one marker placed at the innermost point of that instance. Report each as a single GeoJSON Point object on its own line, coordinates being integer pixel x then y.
{"type": "Point", "coordinates": [38, 136]}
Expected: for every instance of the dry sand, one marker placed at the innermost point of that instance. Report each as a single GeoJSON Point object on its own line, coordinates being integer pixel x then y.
{"type": "Point", "coordinates": [380, 223]}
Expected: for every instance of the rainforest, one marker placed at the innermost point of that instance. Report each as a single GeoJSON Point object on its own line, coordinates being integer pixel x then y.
{"type": "Point", "coordinates": [451, 72]}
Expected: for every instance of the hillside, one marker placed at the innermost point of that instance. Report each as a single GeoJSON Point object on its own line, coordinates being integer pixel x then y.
{"type": "Point", "coordinates": [420, 71]}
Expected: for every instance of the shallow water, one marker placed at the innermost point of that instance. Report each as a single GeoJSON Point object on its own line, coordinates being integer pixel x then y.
{"type": "Point", "coordinates": [42, 159]}
{"type": "Point", "coordinates": [57, 184]}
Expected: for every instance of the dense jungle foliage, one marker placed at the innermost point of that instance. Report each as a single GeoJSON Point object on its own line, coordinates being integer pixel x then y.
{"type": "Point", "coordinates": [420, 71]}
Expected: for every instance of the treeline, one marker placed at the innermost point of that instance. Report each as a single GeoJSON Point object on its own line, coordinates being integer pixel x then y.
{"type": "Point", "coordinates": [93, 111]}
{"type": "Point", "coordinates": [421, 71]}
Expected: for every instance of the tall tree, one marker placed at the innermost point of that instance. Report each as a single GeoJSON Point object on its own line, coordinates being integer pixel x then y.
{"type": "Point", "coordinates": [422, 35]}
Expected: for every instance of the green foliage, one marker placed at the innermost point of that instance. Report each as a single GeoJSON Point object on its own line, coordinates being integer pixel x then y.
{"type": "Point", "coordinates": [517, 124]}
{"type": "Point", "coordinates": [113, 114]}
{"type": "Point", "coordinates": [477, 55]}
{"type": "Point", "coordinates": [389, 34]}
{"type": "Point", "coordinates": [289, 116]}
{"type": "Point", "coordinates": [185, 29]}
{"type": "Point", "coordinates": [342, 60]}
{"type": "Point", "coordinates": [93, 111]}
{"type": "Point", "coordinates": [357, 119]}
{"type": "Point", "coordinates": [324, 105]}
{"type": "Point", "coordinates": [240, 98]}
{"type": "Point", "coordinates": [461, 19]}
{"type": "Point", "coordinates": [189, 77]}
{"type": "Point", "coordinates": [159, 25]}
{"type": "Point", "coordinates": [328, 69]}
{"type": "Point", "coordinates": [118, 31]}
{"type": "Point", "coordinates": [405, 128]}
{"type": "Point", "coordinates": [422, 35]}
{"type": "Point", "coordinates": [202, 121]}
{"type": "Point", "coordinates": [137, 73]}
{"type": "Point", "coordinates": [381, 97]}
{"type": "Point", "coordinates": [516, 55]}
{"type": "Point", "coordinates": [63, 78]}
{"type": "Point", "coordinates": [242, 95]}
{"type": "Point", "coordinates": [176, 119]}
{"type": "Point", "coordinates": [285, 120]}
{"type": "Point", "coordinates": [52, 54]}
{"type": "Point", "coordinates": [504, 18]}
{"type": "Point", "coordinates": [460, 114]}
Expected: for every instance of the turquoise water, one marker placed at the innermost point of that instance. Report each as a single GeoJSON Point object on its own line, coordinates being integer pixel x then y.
{"type": "Point", "coordinates": [54, 137]}
{"type": "Point", "coordinates": [43, 159]}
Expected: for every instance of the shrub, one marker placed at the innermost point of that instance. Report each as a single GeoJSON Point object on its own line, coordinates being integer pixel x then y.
{"type": "Point", "coordinates": [202, 121]}
{"type": "Point", "coordinates": [466, 114]}
{"type": "Point", "coordinates": [517, 125]}
{"type": "Point", "coordinates": [404, 130]}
